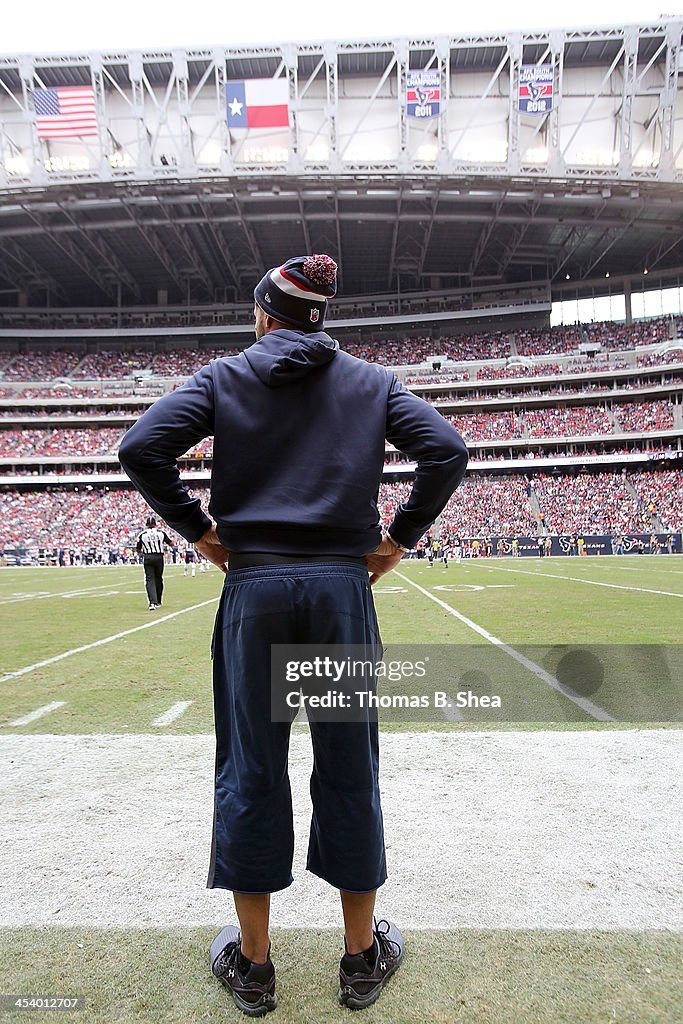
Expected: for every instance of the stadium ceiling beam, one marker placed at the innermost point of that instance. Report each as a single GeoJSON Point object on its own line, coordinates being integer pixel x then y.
{"type": "Point", "coordinates": [454, 216]}
{"type": "Point", "coordinates": [598, 92]}
{"type": "Point", "coordinates": [337, 225]}
{"type": "Point", "coordinates": [304, 223]}
{"type": "Point", "coordinates": [156, 246]}
{"type": "Point", "coordinates": [484, 237]}
{"type": "Point", "coordinates": [104, 251]}
{"type": "Point", "coordinates": [616, 234]}
{"type": "Point", "coordinates": [664, 198]}
{"type": "Point", "coordinates": [220, 242]}
{"type": "Point", "coordinates": [258, 265]}
{"type": "Point", "coordinates": [190, 251]}
{"type": "Point", "coordinates": [579, 232]}
{"type": "Point", "coordinates": [70, 249]}
{"type": "Point", "coordinates": [31, 273]}
{"type": "Point", "coordinates": [427, 237]}
{"type": "Point", "coordinates": [520, 234]}
{"type": "Point", "coordinates": [658, 252]}
{"type": "Point", "coordinates": [368, 106]}
{"type": "Point", "coordinates": [391, 267]}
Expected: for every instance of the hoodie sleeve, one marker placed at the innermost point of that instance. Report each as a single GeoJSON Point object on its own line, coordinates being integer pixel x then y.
{"type": "Point", "coordinates": [150, 450]}
{"type": "Point", "coordinates": [422, 433]}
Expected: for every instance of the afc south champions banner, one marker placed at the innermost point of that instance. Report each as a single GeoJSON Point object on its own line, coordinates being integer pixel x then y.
{"type": "Point", "coordinates": [423, 93]}
{"type": "Point", "coordinates": [535, 88]}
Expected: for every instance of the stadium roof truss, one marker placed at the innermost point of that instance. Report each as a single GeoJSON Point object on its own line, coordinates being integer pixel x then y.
{"type": "Point", "coordinates": [613, 110]}
{"type": "Point", "coordinates": [526, 157]}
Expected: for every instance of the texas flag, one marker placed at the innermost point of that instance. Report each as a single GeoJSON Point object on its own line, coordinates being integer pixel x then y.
{"type": "Point", "coordinates": [258, 103]}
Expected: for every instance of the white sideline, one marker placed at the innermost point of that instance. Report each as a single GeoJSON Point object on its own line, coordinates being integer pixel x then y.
{"type": "Point", "coordinates": [582, 702]}
{"type": "Point", "coordinates": [560, 830]}
{"type": "Point", "coordinates": [103, 641]}
{"type": "Point", "coordinates": [32, 716]}
{"type": "Point", "coordinates": [175, 711]}
{"type": "Point", "coordinates": [591, 583]}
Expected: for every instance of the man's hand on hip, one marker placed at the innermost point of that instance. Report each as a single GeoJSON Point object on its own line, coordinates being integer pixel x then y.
{"type": "Point", "coordinates": [383, 559]}
{"type": "Point", "coordinates": [210, 546]}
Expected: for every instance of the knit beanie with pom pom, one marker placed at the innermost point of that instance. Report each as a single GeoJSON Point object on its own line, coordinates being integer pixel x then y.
{"type": "Point", "coordinates": [296, 293]}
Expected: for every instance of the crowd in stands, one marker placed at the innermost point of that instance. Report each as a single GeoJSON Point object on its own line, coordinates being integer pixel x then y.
{"type": "Point", "coordinates": [597, 503]}
{"type": "Point", "coordinates": [484, 426]}
{"type": "Point", "coordinates": [662, 495]}
{"type": "Point", "coordinates": [185, 362]}
{"type": "Point", "coordinates": [518, 370]}
{"type": "Point", "coordinates": [572, 421]}
{"type": "Point", "coordinates": [672, 355]}
{"type": "Point", "coordinates": [112, 364]}
{"type": "Point", "coordinates": [56, 391]}
{"type": "Point", "coordinates": [60, 442]}
{"type": "Point", "coordinates": [644, 415]}
{"type": "Point", "coordinates": [609, 335]}
{"type": "Point", "coordinates": [41, 412]}
{"type": "Point", "coordinates": [394, 353]}
{"type": "Point", "coordinates": [613, 337]}
{"type": "Point", "coordinates": [496, 506]}
{"type": "Point", "coordinates": [569, 421]}
{"type": "Point", "coordinates": [42, 365]}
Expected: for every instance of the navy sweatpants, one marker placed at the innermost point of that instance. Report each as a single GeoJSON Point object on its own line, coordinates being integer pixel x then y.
{"type": "Point", "coordinates": [253, 835]}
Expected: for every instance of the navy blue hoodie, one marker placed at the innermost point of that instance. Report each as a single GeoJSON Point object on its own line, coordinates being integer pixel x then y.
{"type": "Point", "coordinates": [299, 429]}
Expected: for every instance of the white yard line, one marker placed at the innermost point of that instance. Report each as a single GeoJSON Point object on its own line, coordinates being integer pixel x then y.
{"type": "Point", "coordinates": [61, 593]}
{"type": "Point", "coordinates": [582, 702]}
{"type": "Point", "coordinates": [175, 711]}
{"type": "Point", "coordinates": [103, 641]}
{"type": "Point", "coordinates": [590, 583]}
{"type": "Point", "coordinates": [557, 830]}
{"type": "Point", "coordinates": [32, 716]}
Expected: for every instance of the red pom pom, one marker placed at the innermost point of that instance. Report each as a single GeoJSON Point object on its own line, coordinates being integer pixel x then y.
{"type": "Point", "coordinates": [320, 269]}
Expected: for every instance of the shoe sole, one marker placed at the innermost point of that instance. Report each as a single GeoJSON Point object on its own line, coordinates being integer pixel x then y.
{"type": "Point", "coordinates": [347, 997]}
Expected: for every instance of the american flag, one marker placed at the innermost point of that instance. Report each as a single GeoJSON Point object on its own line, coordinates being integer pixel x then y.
{"type": "Point", "coordinates": [65, 113]}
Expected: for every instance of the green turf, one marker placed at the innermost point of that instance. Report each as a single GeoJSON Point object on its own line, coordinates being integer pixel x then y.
{"type": "Point", "coordinates": [465, 976]}
{"type": "Point", "coordinates": [530, 604]}
{"type": "Point", "coordinates": [468, 976]}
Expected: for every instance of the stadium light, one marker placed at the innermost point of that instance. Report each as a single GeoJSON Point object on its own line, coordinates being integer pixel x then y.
{"type": "Point", "coordinates": [17, 164]}
{"type": "Point", "coordinates": [264, 155]}
{"type": "Point", "coordinates": [537, 155]}
{"type": "Point", "coordinates": [210, 154]}
{"type": "Point", "coordinates": [317, 153]}
{"type": "Point", "coordinates": [488, 153]}
{"type": "Point", "coordinates": [120, 159]}
{"type": "Point", "coordinates": [427, 152]}
{"type": "Point", "coordinates": [71, 162]}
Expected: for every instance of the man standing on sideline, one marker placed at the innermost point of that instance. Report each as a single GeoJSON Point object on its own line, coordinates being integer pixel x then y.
{"type": "Point", "coordinates": [151, 545]}
{"type": "Point", "coordinates": [299, 433]}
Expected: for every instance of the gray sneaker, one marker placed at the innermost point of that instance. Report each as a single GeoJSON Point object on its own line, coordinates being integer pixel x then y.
{"type": "Point", "coordinates": [254, 992]}
{"type": "Point", "coordinates": [361, 980]}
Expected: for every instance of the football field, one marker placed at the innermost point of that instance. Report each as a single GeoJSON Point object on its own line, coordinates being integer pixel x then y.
{"type": "Point", "coordinates": [533, 847]}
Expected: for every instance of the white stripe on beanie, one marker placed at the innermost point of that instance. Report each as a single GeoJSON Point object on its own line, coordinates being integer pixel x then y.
{"type": "Point", "coordinates": [287, 285]}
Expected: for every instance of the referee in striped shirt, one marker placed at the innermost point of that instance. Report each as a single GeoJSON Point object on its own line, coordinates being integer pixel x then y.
{"type": "Point", "coordinates": [151, 545]}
